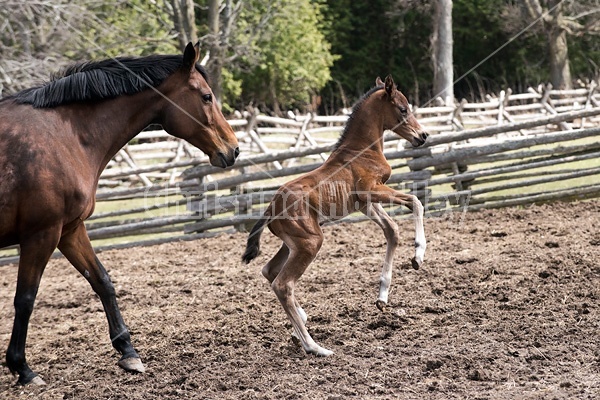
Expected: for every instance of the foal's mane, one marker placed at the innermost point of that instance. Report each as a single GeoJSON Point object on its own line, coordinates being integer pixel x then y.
{"type": "Point", "coordinates": [355, 108]}
{"type": "Point", "coordinates": [105, 79]}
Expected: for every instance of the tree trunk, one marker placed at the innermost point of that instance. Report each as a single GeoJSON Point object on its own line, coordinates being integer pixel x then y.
{"type": "Point", "coordinates": [184, 21]}
{"type": "Point", "coordinates": [441, 41]}
{"type": "Point", "coordinates": [215, 62]}
{"type": "Point", "coordinates": [558, 50]}
{"type": "Point", "coordinates": [560, 71]}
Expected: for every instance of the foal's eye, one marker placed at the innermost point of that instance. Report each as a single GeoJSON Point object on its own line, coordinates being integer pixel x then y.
{"type": "Point", "coordinates": [403, 110]}
{"type": "Point", "coordinates": [207, 97]}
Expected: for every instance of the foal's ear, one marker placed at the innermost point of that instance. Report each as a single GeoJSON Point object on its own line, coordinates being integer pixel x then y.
{"type": "Point", "coordinates": [378, 82]}
{"type": "Point", "coordinates": [389, 84]}
{"type": "Point", "coordinates": [191, 55]}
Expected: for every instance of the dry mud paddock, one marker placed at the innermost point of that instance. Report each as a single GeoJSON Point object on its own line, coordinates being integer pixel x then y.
{"type": "Point", "coordinates": [506, 306]}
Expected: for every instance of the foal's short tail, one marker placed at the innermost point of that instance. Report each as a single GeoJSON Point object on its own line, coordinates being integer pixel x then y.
{"type": "Point", "coordinates": [253, 244]}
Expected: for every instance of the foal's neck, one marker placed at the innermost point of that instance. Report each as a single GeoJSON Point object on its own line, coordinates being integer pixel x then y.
{"type": "Point", "coordinates": [364, 133]}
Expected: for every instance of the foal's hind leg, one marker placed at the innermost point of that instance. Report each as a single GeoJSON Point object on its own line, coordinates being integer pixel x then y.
{"type": "Point", "coordinates": [78, 250]}
{"type": "Point", "coordinates": [35, 253]}
{"type": "Point", "coordinates": [272, 269]}
{"type": "Point", "coordinates": [390, 229]}
{"type": "Point", "coordinates": [303, 250]}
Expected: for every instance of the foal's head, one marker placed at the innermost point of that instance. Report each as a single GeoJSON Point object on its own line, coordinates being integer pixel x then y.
{"type": "Point", "coordinates": [193, 113]}
{"type": "Point", "coordinates": [397, 116]}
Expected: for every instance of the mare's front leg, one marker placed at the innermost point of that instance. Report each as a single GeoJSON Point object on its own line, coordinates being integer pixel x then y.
{"type": "Point", "coordinates": [384, 194]}
{"type": "Point", "coordinates": [78, 250]}
{"type": "Point", "coordinates": [36, 250]}
{"type": "Point", "coordinates": [390, 229]}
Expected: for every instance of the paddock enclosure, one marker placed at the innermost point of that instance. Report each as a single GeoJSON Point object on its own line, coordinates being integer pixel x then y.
{"type": "Point", "coordinates": [505, 306]}
{"type": "Point", "coordinates": [512, 149]}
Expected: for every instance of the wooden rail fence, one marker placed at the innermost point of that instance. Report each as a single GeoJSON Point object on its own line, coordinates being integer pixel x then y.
{"type": "Point", "coordinates": [513, 149]}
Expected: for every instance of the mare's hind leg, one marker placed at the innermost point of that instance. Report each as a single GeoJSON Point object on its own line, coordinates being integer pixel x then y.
{"type": "Point", "coordinates": [272, 269]}
{"type": "Point", "coordinates": [304, 244]}
{"type": "Point", "coordinates": [390, 229]}
{"type": "Point", "coordinates": [78, 250]}
{"type": "Point", "coordinates": [35, 253]}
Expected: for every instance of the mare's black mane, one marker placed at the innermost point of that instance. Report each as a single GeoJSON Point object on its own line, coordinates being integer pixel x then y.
{"type": "Point", "coordinates": [98, 80]}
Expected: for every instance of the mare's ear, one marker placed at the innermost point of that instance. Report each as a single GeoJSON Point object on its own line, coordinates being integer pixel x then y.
{"type": "Point", "coordinates": [191, 55]}
{"type": "Point", "coordinates": [378, 82]}
{"type": "Point", "coordinates": [389, 84]}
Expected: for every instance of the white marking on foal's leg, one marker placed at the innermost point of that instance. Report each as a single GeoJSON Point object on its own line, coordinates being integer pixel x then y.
{"type": "Point", "coordinates": [303, 317]}
{"type": "Point", "coordinates": [377, 213]}
{"type": "Point", "coordinates": [285, 295]}
{"type": "Point", "coordinates": [420, 242]}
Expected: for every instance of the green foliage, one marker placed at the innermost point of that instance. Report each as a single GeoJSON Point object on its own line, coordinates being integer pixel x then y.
{"type": "Point", "coordinates": [133, 27]}
{"type": "Point", "coordinates": [375, 39]}
{"type": "Point", "coordinates": [291, 59]}
{"type": "Point", "coordinates": [281, 53]}
{"type": "Point", "coordinates": [478, 27]}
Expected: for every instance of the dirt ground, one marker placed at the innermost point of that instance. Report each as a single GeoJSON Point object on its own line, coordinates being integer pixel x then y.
{"type": "Point", "coordinates": [506, 306]}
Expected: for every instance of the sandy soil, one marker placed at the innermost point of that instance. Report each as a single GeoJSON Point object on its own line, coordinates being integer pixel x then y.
{"type": "Point", "coordinates": [505, 307]}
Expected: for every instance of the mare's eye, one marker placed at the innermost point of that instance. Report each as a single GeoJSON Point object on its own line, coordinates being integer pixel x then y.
{"type": "Point", "coordinates": [403, 110]}
{"type": "Point", "coordinates": [207, 97]}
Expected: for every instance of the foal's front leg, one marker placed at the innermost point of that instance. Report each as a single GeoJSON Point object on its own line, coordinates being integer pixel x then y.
{"type": "Point", "coordinates": [390, 229]}
{"type": "Point", "coordinates": [384, 194]}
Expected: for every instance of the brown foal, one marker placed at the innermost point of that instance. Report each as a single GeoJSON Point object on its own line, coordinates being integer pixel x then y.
{"type": "Point", "coordinates": [352, 179]}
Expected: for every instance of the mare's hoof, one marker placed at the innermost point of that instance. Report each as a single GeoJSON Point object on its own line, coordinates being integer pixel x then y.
{"type": "Point", "coordinates": [381, 305]}
{"type": "Point", "coordinates": [415, 263]}
{"type": "Point", "coordinates": [132, 364]}
{"type": "Point", "coordinates": [36, 381]}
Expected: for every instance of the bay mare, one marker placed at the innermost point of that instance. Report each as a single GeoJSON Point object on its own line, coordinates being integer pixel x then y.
{"type": "Point", "coordinates": [56, 139]}
{"type": "Point", "coordinates": [351, 179]}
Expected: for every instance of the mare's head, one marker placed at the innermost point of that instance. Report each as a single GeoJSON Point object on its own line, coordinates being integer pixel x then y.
{"type": "Point", "coordinates": [397, 115]}
{"type": "Point", "coordinates": [194, 114]}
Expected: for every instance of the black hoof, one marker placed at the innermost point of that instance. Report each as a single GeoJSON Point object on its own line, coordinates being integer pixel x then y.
{"type": "Point", "coordinates": [381, 305]}
{"type": "Point", "coordinates": [415, 264]}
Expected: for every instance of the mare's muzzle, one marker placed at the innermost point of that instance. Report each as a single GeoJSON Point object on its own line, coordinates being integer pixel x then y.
{"type": "Point", "coordinates": [420, 139]}
{"type": "Point", "coordinates": [225, 160]}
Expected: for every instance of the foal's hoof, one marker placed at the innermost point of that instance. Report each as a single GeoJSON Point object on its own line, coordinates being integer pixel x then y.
{"type": "Point", "coordinates": [132, 364]}
{"type": "Point", "coordinates": [415, 263]}
{"type": "Point", "coordinates": [381, 305]}
{"type": "Point", "coordinates": [320, 352]}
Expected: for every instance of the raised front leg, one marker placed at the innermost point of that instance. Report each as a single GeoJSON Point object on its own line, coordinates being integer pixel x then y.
{"type": "Point", "coordinates": [35, 253]}
{"type": "Point", "coordinates": [384, 194]}
{"type": "Point", "coordinates": [390, 229]}
{"type": "Point", "coordinates": [78, 250]}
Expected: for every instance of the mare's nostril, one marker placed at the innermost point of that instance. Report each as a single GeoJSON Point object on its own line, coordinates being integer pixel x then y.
{"type": "Point", "coordinates": [236, 152]}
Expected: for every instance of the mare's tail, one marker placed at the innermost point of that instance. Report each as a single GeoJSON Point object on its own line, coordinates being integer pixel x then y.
{"type": "Point", "coordinates": [253, 244]}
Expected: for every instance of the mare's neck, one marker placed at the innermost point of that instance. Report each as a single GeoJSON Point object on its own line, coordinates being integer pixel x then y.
{"type": "Point", "coordinates": [106, 126]}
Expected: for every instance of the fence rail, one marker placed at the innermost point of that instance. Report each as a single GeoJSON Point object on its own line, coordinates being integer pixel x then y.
{"type": "Point", "coordinates": [511, 149]}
